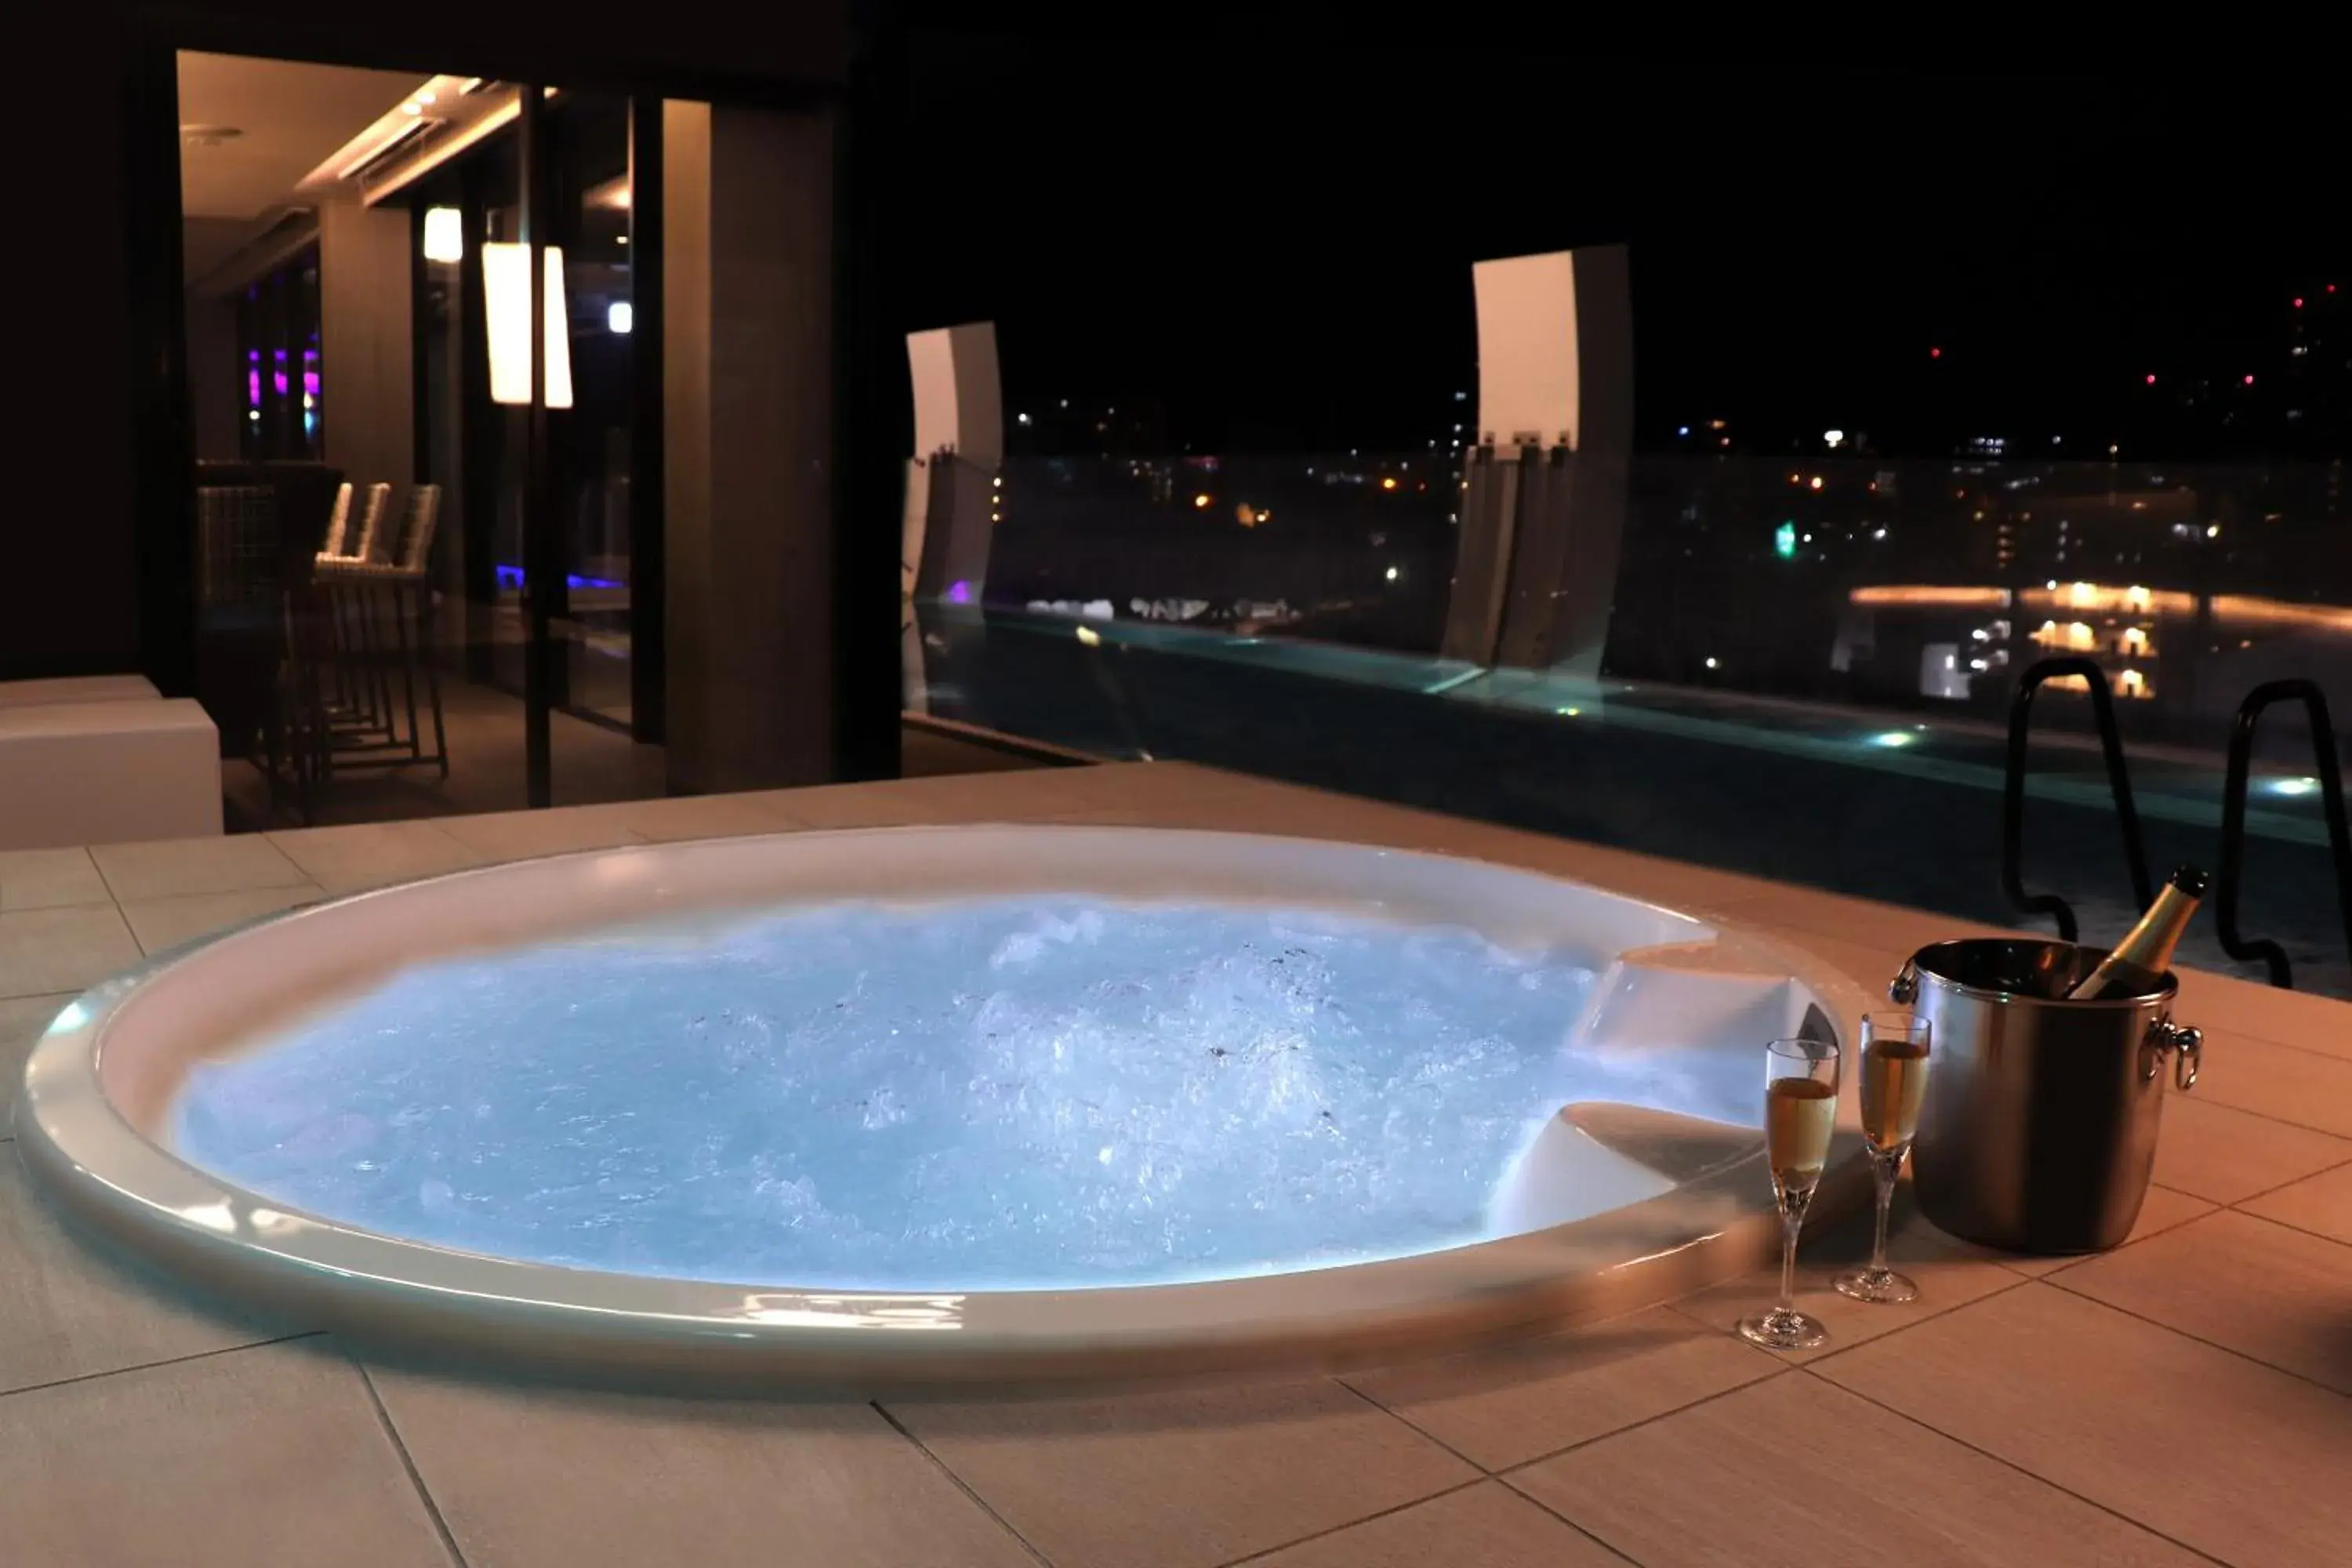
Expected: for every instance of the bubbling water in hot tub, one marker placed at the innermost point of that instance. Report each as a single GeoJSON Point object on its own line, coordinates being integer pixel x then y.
{"type": "Point", "coordinates": [1009, 1092]}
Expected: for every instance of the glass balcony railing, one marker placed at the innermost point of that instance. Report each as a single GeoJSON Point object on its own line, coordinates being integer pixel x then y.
{"type": "Point", "coordinates": [1805, 672]}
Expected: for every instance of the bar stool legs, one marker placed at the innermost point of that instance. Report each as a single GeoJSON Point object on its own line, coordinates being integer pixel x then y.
{"type": "Point", "coordinates": [374, 606]}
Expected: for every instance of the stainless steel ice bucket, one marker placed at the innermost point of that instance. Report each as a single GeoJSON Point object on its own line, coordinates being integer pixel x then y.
{"type": "Point", "coordinates": [2039, 1124]}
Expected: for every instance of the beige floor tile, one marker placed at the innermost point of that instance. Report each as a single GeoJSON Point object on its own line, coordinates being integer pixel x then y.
{"type": "Point", "coordinates": [66, 1312]}
{"type": "Point", "coordinates": [532, 1476]}
{"type": "Point", "coordinates": [828, 807]}
{"type": "Point", "coordinates": [2203, 1445]}
{"type": "Point", "coordinates": [2313, 1023]}
{"type": "Point", "coordinates": [70, 947]}
{"type": "Point", "coordinates": [1507, 1406]}
{"type": "Point", "coordinates": [1144, 784]}
{"type": "Point", "coordinates": [1021, 794]}
{"type": "Point", "coordinates": [1673, 883]}
{"type": "Point", "coordinates": [1868, 965]}
{"type": "Point", "coordinates": [2279, 1295]}
{"type": "Point", "coordinates": [2321, 1204]}
{"type": "Point", "coordinates": [2212, 1151]}
{"type": "Point", "coordinates": [1484, 1526]}
{"type": "Point", "coordinates": [1181, 796]}
{"type": "Point", "coordinates": [1077, 784]}
{"type": "Point", "coordinates": [1182, 1479]}
{"type": "Point", "coordinates": [22, 1019]}
{"type": "Point", "coordinates": [524, 835]}
{"type": "Point", "coordinates": [690, 817]}
{"type": "Point", "coordinates": [1283, 814]}
{"type": "Point", "coordinates": [1947, 1272]}
{"type": "Point", "coordinates": [1886, 927]}
{"type": "Point", "coordinates": [1292, 812]}
{"type": "Point", "coordinates": [273, 1455]}
{"type": "Point", "coordinates": [373, 855]}
{"type": "Point", "coordinates": [1149, 787]}
{"type": "Point", "coordinates": [43, 878]}
{"type": "Point", "coordinates": [1794, 1472]}
{"type": "Point", "coordinates": [173, 867]}
{"type": "Point", "coordinates": [2282, 1082]}
{"type": "Point", "coordinates": [161, 923]}
{"type": "Point", "coordinates": [1015, 795]}
{"type": "Point", "coordinates": [1434, 832]}
{"type": "Point", "coordinates": [2160, 1211]}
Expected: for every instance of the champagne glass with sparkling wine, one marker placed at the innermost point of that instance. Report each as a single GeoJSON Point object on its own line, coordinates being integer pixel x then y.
{"type": "Point", "coordinates": [1894, 1073]}
{"type": "Point", "coordinates": [1801, 1084]}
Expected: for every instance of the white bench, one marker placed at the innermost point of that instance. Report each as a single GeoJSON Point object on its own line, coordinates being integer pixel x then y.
{"type": "Point", "coordinates": [105, 771]}
{"type": "Point", "coordinates": [77, 689]}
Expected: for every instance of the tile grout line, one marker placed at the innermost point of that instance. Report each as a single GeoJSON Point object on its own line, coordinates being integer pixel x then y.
{"type": "Point", "coordinates": [2290, 1181]}
{"type": "Point", "coordinates": [2249, 1359]}
{"type": "Point", "coordinates": [107, 882]}
{"type": "Point", "coordinates": [167, 1361]}
{"type": "Point", "coordinates": [1508, 1471]}
{"type": "Point", "coordinates": [2287, 1046]}
{"type": "Point", "coordinates": [408, 1463]}
{"type": "Point", "coordinates": [2007, 1464]}
{"type": "Point", "coordinates": [1609, 1547]}
{"type": "Point", "coordinates": [2266, 1039]}
{"type": "Point", "coordinates": [958, 1483]}
{"type": "Point", "coordinates": [1517, 1465]}
{"type": "Point", "coordinates": [1410, 1425]}
{"type": "Point", "coordinates": [1480, 1480]}
{"type": "Point", "coordinates": [1916, 1323]}
{"type": "Point", "coordinates": [2282, 1122]}
{"type": "Point", "coordinates": [1797, 934]}
{"type": "Point", "coordinates": [1677, 1306]}
{"type": "Point", "coordinates": [68, 994]}
{"type": "Point", "coordinates": [2076, 1260]}
{"type": "Point", "coordinates": [2267, 1219]}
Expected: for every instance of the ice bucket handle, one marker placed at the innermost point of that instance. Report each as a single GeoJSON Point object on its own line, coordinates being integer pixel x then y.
{"type": "Point", "coordinates": [2164, 1036]}
{"type": "Point", "coordinates": [2184, 1044]}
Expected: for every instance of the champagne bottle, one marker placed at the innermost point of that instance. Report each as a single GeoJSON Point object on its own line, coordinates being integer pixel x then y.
{"type": "Point", "coordinates": [2137, 965]}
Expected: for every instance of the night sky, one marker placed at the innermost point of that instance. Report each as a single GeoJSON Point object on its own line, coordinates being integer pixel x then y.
{"type": "Point", "coordinates": [1276, 242]}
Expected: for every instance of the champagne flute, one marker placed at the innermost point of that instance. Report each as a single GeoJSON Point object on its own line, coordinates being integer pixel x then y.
{"type": "Point", "coordinates": [1894, 1073]}
{"type": "Point", "coordinates": [1801, 1082]}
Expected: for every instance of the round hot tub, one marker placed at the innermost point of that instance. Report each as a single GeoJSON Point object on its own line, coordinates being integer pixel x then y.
{"type": "Point", "coordinates": [931, 1105]}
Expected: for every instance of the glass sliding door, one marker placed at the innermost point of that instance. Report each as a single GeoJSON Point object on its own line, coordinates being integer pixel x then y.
{"type": "Point", "coordinates": [590, 446]}
{"type": "Point", "coordinates": [567, 462]}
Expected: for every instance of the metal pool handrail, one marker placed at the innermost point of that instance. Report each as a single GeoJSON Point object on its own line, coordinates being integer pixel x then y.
{"type": "Point", "coordinates": [2013, 814]}
{"type": "Point", "coordinates": [2233, 822]}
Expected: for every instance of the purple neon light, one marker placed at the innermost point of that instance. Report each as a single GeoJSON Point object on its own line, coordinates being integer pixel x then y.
{"type": "Point", "coordinates": [512, 577]}
{"type": "Point", "coordinates": [958, 593]}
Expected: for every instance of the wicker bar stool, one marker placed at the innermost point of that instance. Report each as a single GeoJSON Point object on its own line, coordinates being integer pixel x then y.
{"type": "Point", "coordinates": [263, 633]}
{"type": "Point", "coordinates": [386, 587]}
{"type": "Point", "coordinates": [344, 698]}
{"type": "Point", "coordinates": [361, 704]}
